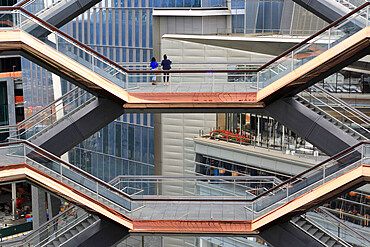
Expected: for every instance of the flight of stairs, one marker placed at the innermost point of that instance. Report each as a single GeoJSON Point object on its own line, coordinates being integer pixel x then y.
{"type": "Point", "coordinates": [330, 118]}
{"type": "Point", "coordinates": [73, 231]}
{"type": "Point", "coordinates": [316, 232]}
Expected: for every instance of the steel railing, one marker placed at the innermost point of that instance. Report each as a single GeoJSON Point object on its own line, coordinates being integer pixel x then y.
{"type": "Point", "coordinates": [124, 203]}
{"type": "Point", "coordinates": [49, 115]}
{"type": "Point", "coordinates": [330, 105]}
{"type": "Point", "coordinates": [316, 44]}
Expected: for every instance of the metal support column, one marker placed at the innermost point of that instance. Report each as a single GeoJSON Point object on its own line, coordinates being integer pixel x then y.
{"type": "Point", "coordinates": [14, 200]}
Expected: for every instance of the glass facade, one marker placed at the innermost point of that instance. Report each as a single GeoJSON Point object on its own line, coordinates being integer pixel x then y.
{"type": "Point", "coordinates": [121, 31]}
{"type": "Point", "coordinates": [121, 148]}
{"type": "Point", "coordinates": [273, 16]}
{"type": "Point", "coordinates": [189, 3]}
{"type": "Point", "coordinates": [4, 118]}
{"type": "Point", "coordinates": [37, 87]}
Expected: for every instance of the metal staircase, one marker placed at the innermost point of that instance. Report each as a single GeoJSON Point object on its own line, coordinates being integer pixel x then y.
{"type": "Point", "coordinates": [351, 4]}
{"type": "Point", "coordinates": [60, 229]}
{"type": "Point", "coordinates": [56, 12]}
{"type": "Point", "coordinates": [71, 231]}
{"type": "Point", "coordinates": [351, 121]}
{"type": "Point", "coordinates": [317, 232]}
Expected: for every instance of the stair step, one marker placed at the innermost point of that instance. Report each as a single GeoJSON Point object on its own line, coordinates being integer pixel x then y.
{"type": "Point", "coordinates": [91, 220]}
{"type": "Point", "coordinates": [62, 239]}
{"type": "Point", "coordinates": [68, 235]}
{"type": "Point", "coordinates": [300, 223]}
{"type": "Point", "coordinates": [337, 245]}
{"type": "Point", "coordinates": [307, 227]}
{"type": "Point", "coordinates": [313, 230]}
{"type": "Point", "coordinates": [74, 231]}
{"type": "Point", "coordinates": [318, 234]}
{"type": "Point", "coordinates": [79, 228]}
{"type": "Point", "coordinates": [331, 242]}
{"type": "Point", "coordinates": [56, 243]}
{"type": "Point", "coordinates": [324, 239]}
{"type": "Point", "coordinates": [85, 224]}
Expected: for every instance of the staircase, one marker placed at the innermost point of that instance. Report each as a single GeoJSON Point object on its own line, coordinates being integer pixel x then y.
{"type": "Point", "coordinates": [325, 104]}
{"type": "Point", "coordinates": [56, 12]}
{"type": "Point", "coordinates": [316, 232]}
{"type": "Point", "coordinates": [331, 119]}
{"type": "Point", "coordinates": [347, 129]}
{"type": "Point", "coordinates": [351, 4]}
{"type": "Point", "coordinates": [77, 227]}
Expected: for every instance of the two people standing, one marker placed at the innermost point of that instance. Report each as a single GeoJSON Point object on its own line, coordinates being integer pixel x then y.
{"type": "Point", "coordinates": [166, 65]}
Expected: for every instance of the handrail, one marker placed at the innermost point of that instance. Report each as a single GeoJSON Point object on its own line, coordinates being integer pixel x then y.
{"type": "Point", "coordinates": [50, 104]}
{"type": "Point", "coordinates": [189, 71]}
{"type": "Point", "coordinates": [311, 169]}
{"type": "Point", "coordinates": [342, 102]}
{"type": "Point", "coordinates": [326, 231]}
{"type": "Point", "coordinates": [330, 215]}
{"type": "Point", "coordinates": [338, 112]}
{"type": "Point", "coordinates": [66, 228]}
{"type": "Point", "coordinates": [38, 229]}
{"type": "Point", "coordinates": [21, 3]}
{"type": "Point", "coordinates": [68, 114]}
{"type": "Point", "coordinates": [52, 156]}
{"type": "Point", "coordinates": [197, 177]}
{"type": "Point", "coordinates": [40, 111]}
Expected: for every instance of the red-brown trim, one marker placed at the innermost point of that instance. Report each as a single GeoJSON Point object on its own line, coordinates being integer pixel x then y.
{"type": "Point", "coordinates": [193, 226]}
{"type": "Point", "coordinates": [188, 71]}
{"type": "Point", "coordinates": [195, 200]}
{"type": "Point", "coordinates": [27, 166]}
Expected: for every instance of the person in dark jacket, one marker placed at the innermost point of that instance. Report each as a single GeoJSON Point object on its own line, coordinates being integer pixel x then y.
{"type": "Point", "coordinates": [166, 65]}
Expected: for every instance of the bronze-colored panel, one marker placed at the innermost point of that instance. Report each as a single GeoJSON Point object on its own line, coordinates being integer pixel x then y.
{"type": "Point", "coordinates": [315, 196]}
{"type": "Point", "coordinates": [316, 66]}
{"type": "Point", "coordinates": [11, 172]}
{"type": "Point", "coordinates": [193, 226]}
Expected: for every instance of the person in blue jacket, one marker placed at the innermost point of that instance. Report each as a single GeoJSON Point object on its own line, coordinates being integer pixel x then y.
{"type": "Point", "coordinates": [154, 66]}
{"type": "Point", "coordinates": [166, 65]}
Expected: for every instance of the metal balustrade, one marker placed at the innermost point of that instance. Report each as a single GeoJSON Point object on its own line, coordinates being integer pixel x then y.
{"type": "Point", "coordinates": [200, 80]}
{"type": "Point", "coordinates": [49, 115]}
{"type": "Point", "coordinates": [139, 206]}
{"type": "Point", "coordinates": [325, 103]}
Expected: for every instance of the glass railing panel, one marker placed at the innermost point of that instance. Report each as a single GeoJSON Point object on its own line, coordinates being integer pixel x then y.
{"type": "Point", "coordinates": [273, 72]}
{"type": "Point", "coordinates": [49, 115]}
{"type": "Point", "coordinates": [339, 228]}
{"type": "Point", "coordinates": [194, 82]}
{"type": "Point", "coordinates": [197, 186]}
{"type": "Point", "coordinates": [83, 57]}
{"type": "Point", "coordinates": [78, 180]}
{"type": "Point", "coordinates": [12, 154]}
{"type": "Point", "coordinates": [314, 47]}
{"type": "Point", "coordinates": [35, 6]}
{"type": "Point", "coordinates": [65, 45]}
{"type": "Point", "coordinates": [105, 69]}
{"type": "Point", "coordinates": [116, 198]}
{"type": "Point", "coordinates": [54, 227]}
{"type": "Point", "coordinates": [310, 180]}
{"type": "Point", "coordinates": [40, 7]}
{"type": "Point", "coordinates": [191, 210]}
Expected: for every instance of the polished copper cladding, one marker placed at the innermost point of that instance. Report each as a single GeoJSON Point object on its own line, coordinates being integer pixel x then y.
{"type": "Point", "coordinates": [308, 200]}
